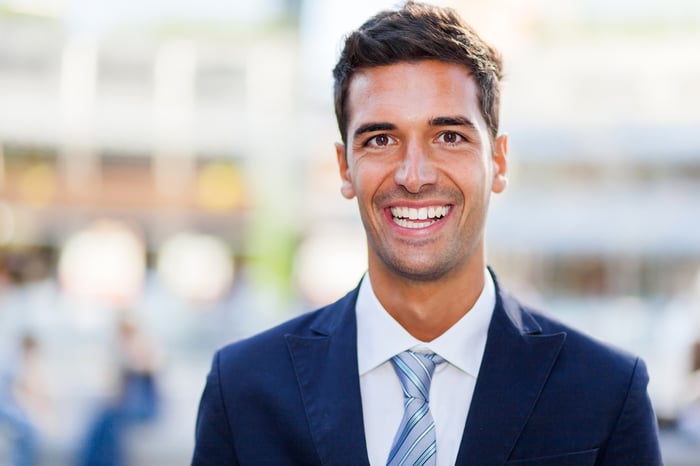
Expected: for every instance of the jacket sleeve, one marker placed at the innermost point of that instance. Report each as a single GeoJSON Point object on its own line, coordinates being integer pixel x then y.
{"type": "Point", "coordinates": [634, 439]}
{"type": "Point", "coordinates": [213, 438]}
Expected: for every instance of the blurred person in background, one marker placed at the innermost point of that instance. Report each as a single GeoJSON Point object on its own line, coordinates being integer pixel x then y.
{"type": "Point", "coordinates": [688, 420]}
{"type": "Point", "coordinates": [429, 361]}
{"type": "Point", "coordinates": [689, 415]}
{"type": "Point", "coordinates": [136, 400]}
{"type": "Point", "coordinates": [22, 399]}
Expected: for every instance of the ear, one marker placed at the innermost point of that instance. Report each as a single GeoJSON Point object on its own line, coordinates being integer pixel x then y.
{"type": "Point", "coordinates": [500, 163]}
{"type": "Point", "coordinates": [346, 188]}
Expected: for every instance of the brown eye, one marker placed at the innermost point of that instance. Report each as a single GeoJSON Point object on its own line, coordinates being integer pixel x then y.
{"type": "Point", "coordinates": [450, 137]}
{"type": "Point", "coordinates": [380, 140]}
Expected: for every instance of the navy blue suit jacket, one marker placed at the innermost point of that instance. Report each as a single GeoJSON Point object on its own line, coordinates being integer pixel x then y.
{"type": "Point", "coordinates": [546, 395]}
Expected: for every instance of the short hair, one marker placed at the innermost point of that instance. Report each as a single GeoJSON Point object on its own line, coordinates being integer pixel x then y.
{"type": "Point", "coordinates": [416, 32]}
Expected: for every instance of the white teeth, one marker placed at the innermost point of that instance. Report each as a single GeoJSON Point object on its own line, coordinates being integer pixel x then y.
{"type": "Point", "coordinates": [402, 222]}
{"type": "Point", "coordinates": [407, 216]}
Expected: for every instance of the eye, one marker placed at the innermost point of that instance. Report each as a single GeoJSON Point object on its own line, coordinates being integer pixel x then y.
{"type": "Point", "coordinates": [380, 140]}
{"type": "Point", "coordinates": [451, 137]}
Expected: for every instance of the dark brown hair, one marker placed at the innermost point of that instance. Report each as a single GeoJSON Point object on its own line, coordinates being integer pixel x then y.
{"type": "Point", "coordinates": [419, 31]}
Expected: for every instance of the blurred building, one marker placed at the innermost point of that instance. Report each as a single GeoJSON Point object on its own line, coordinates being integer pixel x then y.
{"type": "Point", "coordinates": [603, 119]}
{"type": "Point", "coordinates": [130, 123]}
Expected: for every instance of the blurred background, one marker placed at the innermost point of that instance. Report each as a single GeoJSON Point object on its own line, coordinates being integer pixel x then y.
{"type": "Point", "coordinates": [168, 184]}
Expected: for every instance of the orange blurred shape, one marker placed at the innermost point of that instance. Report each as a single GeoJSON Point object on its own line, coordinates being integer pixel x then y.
{"type": "Point", "coordinates": [37, 184]}
{"type": "Point", "coordinates": [220, 187]}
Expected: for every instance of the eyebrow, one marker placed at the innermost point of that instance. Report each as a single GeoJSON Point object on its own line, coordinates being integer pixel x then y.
{"type": "Point", "coordinates": [452, 121]}
{"type": "Point", "coordinates": [371, 127]}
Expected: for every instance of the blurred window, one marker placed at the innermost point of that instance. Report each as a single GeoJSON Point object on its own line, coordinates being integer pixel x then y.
{"type": "Point", "coordinates": [668, 276]}
{"type": "Point", "coordinates": [220, 81]}
{"type": "Point", "coordinates": [30, 55]}
{"type": "Point", "coordinates": [590, 276]}
{"type": "Point", "coordinates": [125, 71]}
{"type": "Point", "coordinates": [24, 60]}
{"type": "Point", "coordinates": [580, 276]}
{"type": "Point", "coordinates": [125, 161]}
{"type": "Point", "coordinates": [658, 170]}
{"type": "Point", "coordinates": [126, 179]}
{"type": "Point", "coordinates": [19, 156]}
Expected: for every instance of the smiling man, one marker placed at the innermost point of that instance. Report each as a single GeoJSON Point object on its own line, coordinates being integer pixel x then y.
{"type": "Point", "coordinates": [429, 361]}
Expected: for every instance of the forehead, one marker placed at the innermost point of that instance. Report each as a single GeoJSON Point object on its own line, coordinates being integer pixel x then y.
{"type": "Point", "coordinates": [423, 89]}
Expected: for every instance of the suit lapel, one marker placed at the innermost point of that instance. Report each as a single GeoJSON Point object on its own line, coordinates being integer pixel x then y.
{"type": "Point", "coordinates": [516, 363]}
{"type": "Point", "coordinates": [326, 368]}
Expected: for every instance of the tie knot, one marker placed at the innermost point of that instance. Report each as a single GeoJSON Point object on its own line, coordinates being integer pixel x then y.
{"type": "Point", "coordinates": [415, 371]}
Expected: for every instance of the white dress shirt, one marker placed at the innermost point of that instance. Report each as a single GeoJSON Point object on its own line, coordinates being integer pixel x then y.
{"type": "Point", "coordinates": [380, 337]}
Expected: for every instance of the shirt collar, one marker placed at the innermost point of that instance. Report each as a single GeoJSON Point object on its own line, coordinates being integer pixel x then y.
{"type": "Point", "coordinates": [380, 337]}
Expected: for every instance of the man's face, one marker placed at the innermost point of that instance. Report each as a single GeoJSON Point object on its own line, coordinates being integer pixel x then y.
{"type": "Point", "coordinates": [421, 164]}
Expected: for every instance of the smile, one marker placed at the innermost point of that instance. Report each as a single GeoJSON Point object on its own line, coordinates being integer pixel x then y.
{"type": "Point", "coordinates": [409, 217]}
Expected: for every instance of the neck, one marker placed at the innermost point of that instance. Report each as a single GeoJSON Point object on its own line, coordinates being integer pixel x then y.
{"type": "Point", "coordinates": [427, 309]}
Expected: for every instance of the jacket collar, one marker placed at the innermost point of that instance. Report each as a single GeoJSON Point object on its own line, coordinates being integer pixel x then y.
{"type": "Point", "coordinates": [326, 367]}
{"type": "Point", "coordinates": [517, 355]}
{"type": "Point", "coordinates": [516, 364]}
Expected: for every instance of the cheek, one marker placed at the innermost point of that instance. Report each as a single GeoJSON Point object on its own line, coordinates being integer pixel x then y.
{"type": "Point", "coordinates": [370, 177]}
{"type": "Point", "coordinates": [364, 191]}
{"type": "Point", "coordinates": [467, 176]}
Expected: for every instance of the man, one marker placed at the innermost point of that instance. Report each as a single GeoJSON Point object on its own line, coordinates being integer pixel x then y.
{"type": "Point", "coordinates": [429, 360]}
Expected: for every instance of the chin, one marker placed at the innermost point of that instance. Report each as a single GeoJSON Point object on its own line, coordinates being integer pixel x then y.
{"type": "Point", "coordinates": [421, 272]}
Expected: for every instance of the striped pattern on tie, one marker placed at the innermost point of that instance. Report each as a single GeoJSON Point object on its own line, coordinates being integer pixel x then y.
{"type": "Point", "coordinates": [414, 443]}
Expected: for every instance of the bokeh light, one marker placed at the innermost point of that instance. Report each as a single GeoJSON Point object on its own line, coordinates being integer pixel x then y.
{"type": "Point", "coordinates": [195, 267]}
{"type": "Point", "coordinates": [104, 264]}
{"type": "Point", "coordinates": [329, 262]}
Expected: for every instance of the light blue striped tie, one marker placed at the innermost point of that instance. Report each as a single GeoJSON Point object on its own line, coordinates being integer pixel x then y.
{"type": "Point", "coordinates": [414, 443]}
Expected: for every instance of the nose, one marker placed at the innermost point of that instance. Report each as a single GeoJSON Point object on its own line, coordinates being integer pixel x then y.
{"type": "Point", "coordinates": [416, 169]}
